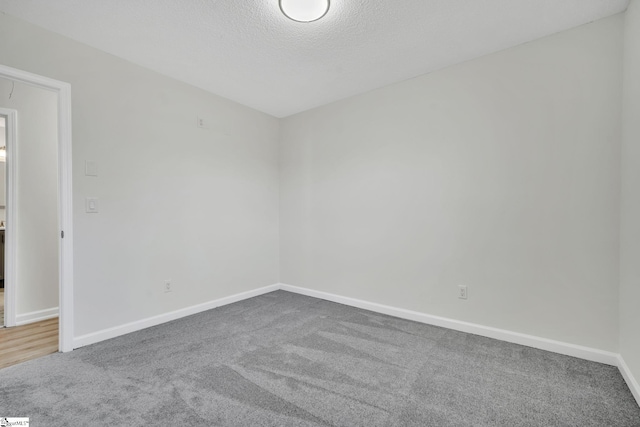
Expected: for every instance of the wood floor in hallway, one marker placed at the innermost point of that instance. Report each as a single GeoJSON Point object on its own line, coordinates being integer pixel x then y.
{"type": "Point", "coordinates": [22, 343]}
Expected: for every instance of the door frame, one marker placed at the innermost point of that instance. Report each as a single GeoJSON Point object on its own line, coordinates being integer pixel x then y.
{"type": "Point", "coordinates": [65, 199]}
{"type": "Point", "coordinates": [10, 227]}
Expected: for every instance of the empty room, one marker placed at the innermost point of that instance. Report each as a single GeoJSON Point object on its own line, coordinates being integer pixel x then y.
{"type": "Point", "coordinates": [320, 212]}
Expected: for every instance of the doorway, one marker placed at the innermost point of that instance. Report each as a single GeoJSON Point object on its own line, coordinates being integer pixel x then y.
{"type": "Point", "coordinates": [3, 217]}
{"type": "Point", "coordinates": [31, 220]}
{"type": "Point", "coordinates": [64, 230]}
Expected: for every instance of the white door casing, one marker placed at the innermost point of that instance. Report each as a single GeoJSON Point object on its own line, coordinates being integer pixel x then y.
{"type": "Point", "coordinates": [65, 205]}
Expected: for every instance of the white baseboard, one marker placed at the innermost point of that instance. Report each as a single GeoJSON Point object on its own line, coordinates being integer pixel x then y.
{"type": "Point", "coordinates": [574, 350]}
{"type": "Point", "coordinates": [36, 316]}
{"type": "Point", "coordinates": [629, 378]}
{"type": "Point", "coordinates": [127, 328]}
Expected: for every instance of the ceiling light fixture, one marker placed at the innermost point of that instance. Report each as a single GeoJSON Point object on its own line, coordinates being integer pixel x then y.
{"type": "Point", "coordinates": [304, 10]}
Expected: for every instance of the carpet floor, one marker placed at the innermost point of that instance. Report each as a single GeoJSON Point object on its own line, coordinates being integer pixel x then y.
{"type": "Point", "coordinates": [283, 359]}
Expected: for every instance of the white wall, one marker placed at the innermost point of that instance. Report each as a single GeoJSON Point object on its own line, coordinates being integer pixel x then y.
{"type": "Point", "coordinates": [501, 174]}
{"type": "Point", "coordinates": [630, 214]}
{"type": "Point", "coordinates": [37, 196]}
{"type": "Point", "coordinates": [198, 206]}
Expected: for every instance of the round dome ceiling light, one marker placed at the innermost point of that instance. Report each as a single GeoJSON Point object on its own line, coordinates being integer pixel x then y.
{"type": "Point", "coordinates": [304, 10]}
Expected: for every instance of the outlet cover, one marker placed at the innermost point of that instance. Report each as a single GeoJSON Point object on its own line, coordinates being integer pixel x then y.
{"type": "Point", "coordinates": [203, 123]}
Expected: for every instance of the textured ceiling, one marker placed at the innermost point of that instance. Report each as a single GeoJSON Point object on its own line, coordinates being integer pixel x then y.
{"type": "Point", "coordinates": [249, 52]}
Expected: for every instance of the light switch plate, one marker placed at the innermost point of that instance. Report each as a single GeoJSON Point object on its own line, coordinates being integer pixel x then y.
{"type": "Point", "coordinates": [90, 168]}
{"type": "Point", "coordinates": [91, 205]}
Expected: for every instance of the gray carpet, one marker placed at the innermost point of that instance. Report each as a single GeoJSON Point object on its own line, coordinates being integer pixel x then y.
{"type": "Point", "coordinates": [283, 359]}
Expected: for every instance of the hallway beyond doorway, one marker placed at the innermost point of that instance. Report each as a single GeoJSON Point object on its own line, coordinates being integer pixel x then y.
{"type": "Point", "coordinates": [27, 342]}
{"type": "Point", "coordinates": [1, 307]}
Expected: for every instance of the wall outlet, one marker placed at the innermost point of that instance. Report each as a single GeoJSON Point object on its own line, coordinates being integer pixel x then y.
{"type": "Point", "coordinates": [203, 123]}
{"type": "Point", "coordinates": [167, 286]}
{"type": "Point", "coordinates": [462, 292]}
